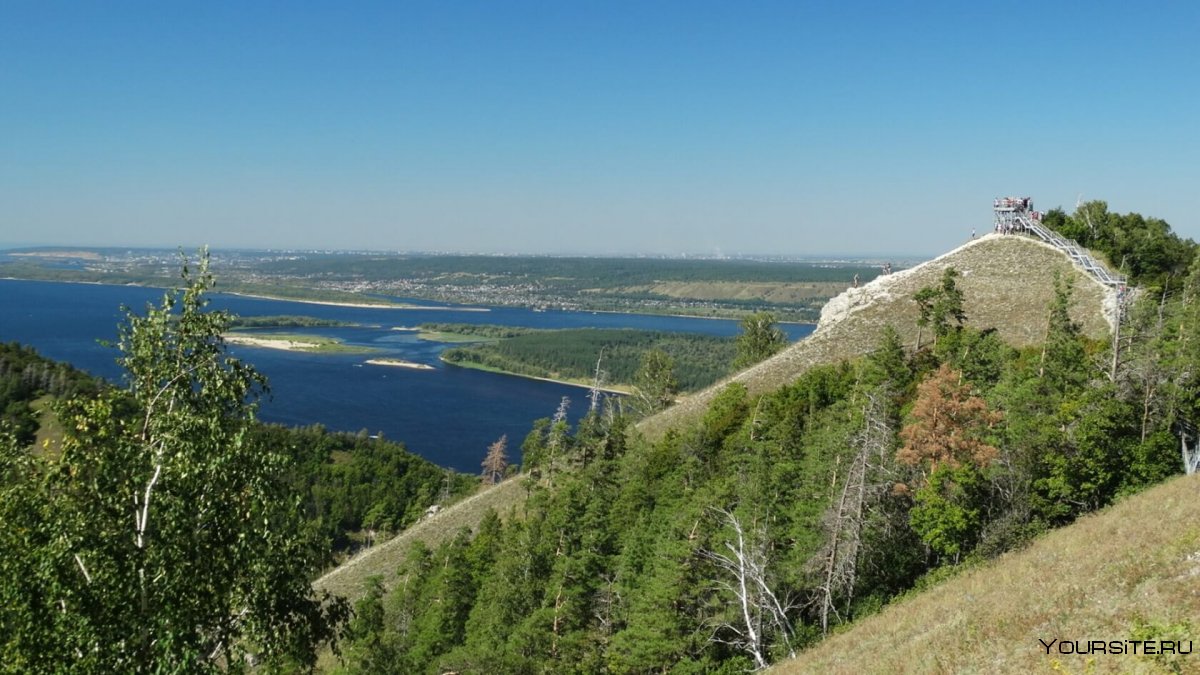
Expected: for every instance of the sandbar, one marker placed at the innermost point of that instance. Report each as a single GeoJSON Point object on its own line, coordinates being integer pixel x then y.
{"type": "Point", "coordinates": [400, 363]}
{"type": "Point", "coordinates": [273, 343]}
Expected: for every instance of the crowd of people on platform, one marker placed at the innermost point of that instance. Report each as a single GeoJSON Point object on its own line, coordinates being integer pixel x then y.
{"type": "Point", "coordinates": [1008, 214]}
{"type": "Point", "coordinates": [1010, 227]}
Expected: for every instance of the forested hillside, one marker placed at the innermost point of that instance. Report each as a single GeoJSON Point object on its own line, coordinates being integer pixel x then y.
{"type": "Point", "coordinates": [574, 354]}
{"type": "Point", "coordinates": [352, 483]}
{"type": "Point", "coordinates": [26, 376]}
{"type": "Point", "coordinates": [776, 516]}
{"type": "Point", "coordinates": [943, 417]}
{"type": "Point", "coordinates": [356, 488]}
{"type": "Point", "coordinates": [1107, 594]}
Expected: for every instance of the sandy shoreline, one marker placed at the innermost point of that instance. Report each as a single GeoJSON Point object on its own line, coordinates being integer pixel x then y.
{"type": "Point", "coordinates": [272, 343]}
{"type": "Point", "coordinates": [400, 363]}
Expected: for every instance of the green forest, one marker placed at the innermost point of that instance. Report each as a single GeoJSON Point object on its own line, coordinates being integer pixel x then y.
{"type": "Point", "coordinates": [699, 360]}
{"type": "Point", "coordinates": [352, 482]}
{"type": "Point", "coordinates": [286, 321]}
{"type": "Point", "coordinates": [779, 518]}
{"type": "Point", "coordinates": [25, 377]}
{"type": "Point", "coordinates": [169, 531]}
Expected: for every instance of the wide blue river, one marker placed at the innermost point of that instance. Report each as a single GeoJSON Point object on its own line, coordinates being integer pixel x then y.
{"type": "Point", "coordinates": [448, 415]}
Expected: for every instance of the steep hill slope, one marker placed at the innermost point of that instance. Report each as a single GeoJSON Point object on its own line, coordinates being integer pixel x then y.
{"type": "Point", "coordinates": [350, 578]}
{"type": "Point", "coordinates": [1134, 564]}
{"type": "Point", "coordinates": [1008, 282]}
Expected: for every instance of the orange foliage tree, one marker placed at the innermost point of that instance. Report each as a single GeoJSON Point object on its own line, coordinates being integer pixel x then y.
{"type": "Point", "coordinates": [945, 441]}
{"type": "Point", "coordinates": [948, 425]}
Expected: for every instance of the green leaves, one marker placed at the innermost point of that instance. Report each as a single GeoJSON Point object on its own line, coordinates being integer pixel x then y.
{"type": "Point", "coordinates": [655, 382]}
{"type": "Point", "coordinates": [760, 339]}
{"type": "Point", "coordinates": [167, 541]}
{"type": "Point", "coordinates": [941, 307]}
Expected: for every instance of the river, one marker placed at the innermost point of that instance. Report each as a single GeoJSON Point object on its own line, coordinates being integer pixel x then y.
{"type": "Point", "coordinates": [448, 414]}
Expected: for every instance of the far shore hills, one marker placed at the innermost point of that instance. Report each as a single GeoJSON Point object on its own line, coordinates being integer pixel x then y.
{"type": "Point", "coordinates": [278, 298]}
{"type": "Point", "coordinates": [362, 305]}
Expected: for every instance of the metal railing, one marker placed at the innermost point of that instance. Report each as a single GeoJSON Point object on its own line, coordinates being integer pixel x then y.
{"type": "Point", "coordinates": [1077, 253]}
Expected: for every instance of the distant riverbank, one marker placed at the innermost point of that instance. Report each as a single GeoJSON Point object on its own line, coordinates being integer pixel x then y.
{"type": "Point", "coordinates": [420, 407]}
{"type": "Point", "coordinates": [611, 389]}
{"type": "Point", "coordinates": [361, 305]}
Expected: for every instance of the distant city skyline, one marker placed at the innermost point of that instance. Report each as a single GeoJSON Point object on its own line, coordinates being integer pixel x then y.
{"type": "Point", "coordinates": [700, 128]}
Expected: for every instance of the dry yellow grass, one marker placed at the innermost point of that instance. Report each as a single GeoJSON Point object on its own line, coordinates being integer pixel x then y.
{"type": "Point", "coordinates": [1139, 559]}
{"type": "Point", "coordinates": [1007, 281]}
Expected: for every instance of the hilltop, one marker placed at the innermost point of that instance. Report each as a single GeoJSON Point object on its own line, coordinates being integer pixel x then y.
{"type": "Point", "coordinates": [1137, 561]}
{"type": "Point", "coordinates": [1007, 281]}
{"type": "Point", "coordinates": [850, 326]}
{"type": "Point", "coordinates": [826, 487]}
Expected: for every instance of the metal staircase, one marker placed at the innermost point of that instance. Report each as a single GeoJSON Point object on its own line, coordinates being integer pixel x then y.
{"type": "Point", "coordinates": [1016, 215]}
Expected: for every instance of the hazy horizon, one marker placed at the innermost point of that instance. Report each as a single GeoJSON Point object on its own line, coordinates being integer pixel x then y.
{"type": "Point", "coordinates": [698, 255]}
{"type": "Point", "coordinates": [618, 128]}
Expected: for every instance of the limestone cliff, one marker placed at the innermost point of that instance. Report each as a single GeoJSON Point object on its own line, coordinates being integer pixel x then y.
{"type": "Point", "coordinates": [1007, 281]}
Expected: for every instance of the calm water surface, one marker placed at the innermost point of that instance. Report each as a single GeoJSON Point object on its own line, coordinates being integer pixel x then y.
{"type": "Point", "coordinates": [448, 415]}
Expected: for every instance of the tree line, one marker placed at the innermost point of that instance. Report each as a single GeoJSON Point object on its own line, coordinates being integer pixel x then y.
{"type": "Point", "coordinates": [699, 360]}
{"type": "Point", "coordinates": [777, 518]}
{"type": "Point", "coordinates": [168, 534]}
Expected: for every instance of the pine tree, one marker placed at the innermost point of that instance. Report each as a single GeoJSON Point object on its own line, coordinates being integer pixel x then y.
{"type": "Point", "coordinates": [948, 425]}
{"type": "Point", "coordinates": [945, 441]}
{"type": "Point", "coordinates": [761, 338]}
{"type": "Point", "coordinates": [496, 461]}
{"type": "Point", "coordinates": [655, 382]}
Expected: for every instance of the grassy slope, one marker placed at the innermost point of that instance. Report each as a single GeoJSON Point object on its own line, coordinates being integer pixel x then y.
{"type": "Point", "coordinates": [350, 578]}
{"type": "Point", "coordinates": [1090, 581]}
{"type": "Point", "coordinates": [1008, 283]}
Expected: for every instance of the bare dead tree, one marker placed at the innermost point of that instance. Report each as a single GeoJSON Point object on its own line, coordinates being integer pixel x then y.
{"type": "Point", "coordinates": [557, 436]}
{"type": "Point", "coordinates": [1191, 456]}
{"type": "Point", "coordinates": [760, 614]}
{"type": "Point", "coordinates": [596, 393]}
{"type": "Point", "coordinates": [837, 561]}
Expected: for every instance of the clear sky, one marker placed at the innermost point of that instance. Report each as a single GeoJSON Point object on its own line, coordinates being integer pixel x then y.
{"type": "Point", "coordinates": [582, 126]}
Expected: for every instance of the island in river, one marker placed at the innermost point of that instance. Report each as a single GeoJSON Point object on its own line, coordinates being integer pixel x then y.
{"type": "Point", "coordinates": [400, 363]}
{"type": "Point", "coordinates": [296, 343]}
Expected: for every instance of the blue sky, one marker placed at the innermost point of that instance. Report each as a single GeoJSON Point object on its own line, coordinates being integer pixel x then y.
{"type": "Point", "coordinates": [594, 127]}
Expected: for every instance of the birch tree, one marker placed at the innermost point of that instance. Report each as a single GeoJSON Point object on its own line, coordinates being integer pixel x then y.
{"type": "Point", "coordinates": [164, 541]}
